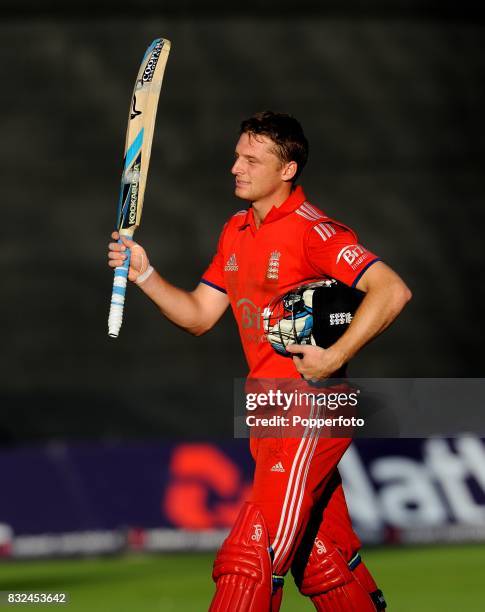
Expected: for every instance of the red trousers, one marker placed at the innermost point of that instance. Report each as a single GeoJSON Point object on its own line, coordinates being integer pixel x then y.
{"type": "Point", "coordinates": [299, 490]}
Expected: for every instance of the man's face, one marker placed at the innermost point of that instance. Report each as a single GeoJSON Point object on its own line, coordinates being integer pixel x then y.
{"type": "Point", "coordinates": [258, 171]}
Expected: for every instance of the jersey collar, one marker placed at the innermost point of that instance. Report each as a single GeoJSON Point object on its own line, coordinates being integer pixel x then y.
{"type": "Point", "coordinates": [294, 201]}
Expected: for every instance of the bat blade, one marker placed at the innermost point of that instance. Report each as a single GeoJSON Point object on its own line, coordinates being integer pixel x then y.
{"type": "Point", "coordinates": [138, 145]}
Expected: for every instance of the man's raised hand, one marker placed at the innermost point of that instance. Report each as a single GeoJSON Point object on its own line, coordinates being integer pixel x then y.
{"type": "Point", "coordinates": [139, 263]}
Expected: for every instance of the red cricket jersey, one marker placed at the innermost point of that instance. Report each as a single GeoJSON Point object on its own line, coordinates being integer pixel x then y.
{"type": "Point", "coordinates": [296, 244]}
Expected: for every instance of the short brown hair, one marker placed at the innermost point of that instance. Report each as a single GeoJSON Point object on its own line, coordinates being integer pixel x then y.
{"type": "Point", "coordinates": [286, 133]}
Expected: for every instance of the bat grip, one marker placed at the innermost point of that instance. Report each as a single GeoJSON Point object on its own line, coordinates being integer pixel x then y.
{"type": "Point", "coordinates": [118, 296]}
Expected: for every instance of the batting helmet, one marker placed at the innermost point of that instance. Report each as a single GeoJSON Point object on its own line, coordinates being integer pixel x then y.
{"type": "Point", "coordinates": [317, 313]}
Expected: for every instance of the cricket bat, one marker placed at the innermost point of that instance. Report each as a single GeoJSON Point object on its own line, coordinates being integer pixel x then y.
{"type": "Point", "coordinates": [139, 136]}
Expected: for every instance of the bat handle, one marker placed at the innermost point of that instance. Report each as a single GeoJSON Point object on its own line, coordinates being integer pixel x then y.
{"type": "Point", "coordinates": [118, 296]}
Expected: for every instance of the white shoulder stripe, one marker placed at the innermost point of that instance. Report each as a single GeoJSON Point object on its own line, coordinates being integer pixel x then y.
{"type": "Point", "coordinates": [320, 233]}
{"type": "Point", "coordinates": [310, 211]}
{"type": "Point", "coordinates": [304, 215]}
{"type": "Point", "coordinates": [325, 230]}
{"type": "Point", "coordinates": [313, 209]}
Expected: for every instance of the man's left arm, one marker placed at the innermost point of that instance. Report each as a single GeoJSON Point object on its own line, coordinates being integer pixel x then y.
{"type": "Point", "coordinates": [386, 294]}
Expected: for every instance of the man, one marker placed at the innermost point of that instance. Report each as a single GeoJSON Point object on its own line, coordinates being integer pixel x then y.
{"type": "Point", "coordinates": [297, 516]}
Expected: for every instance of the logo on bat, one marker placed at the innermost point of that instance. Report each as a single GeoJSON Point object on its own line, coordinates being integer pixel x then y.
{"type": "Point", "coordinates": [134, 111]}
{"type": "Point", "coordinates": [152, 62]}
{"type": "Point", "coordinates": [134, 193]}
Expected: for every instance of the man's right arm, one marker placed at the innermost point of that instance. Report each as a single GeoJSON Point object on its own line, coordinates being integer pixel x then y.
{"type": "Point", "coordinates": [194, 311]}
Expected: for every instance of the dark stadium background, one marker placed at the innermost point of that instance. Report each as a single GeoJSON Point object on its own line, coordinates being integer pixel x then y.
{"type": "Point", "coordinates": [391, 96]}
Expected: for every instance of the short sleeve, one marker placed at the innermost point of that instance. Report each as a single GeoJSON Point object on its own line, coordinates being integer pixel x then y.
{"type": "Point", "coordinates": [214, 275]}
{"type": "Point", "coordinates": [333, 250]}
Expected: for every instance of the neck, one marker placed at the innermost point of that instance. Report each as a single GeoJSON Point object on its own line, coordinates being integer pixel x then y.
{"type": "Point", "coordinates": [262, 207]}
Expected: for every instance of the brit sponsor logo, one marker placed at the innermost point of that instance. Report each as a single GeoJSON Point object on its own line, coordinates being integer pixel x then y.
{"type": "Point", "coordinates": [353, 255]}
{"type": "Point", "coordinates": [231, 264]}
{"type": "Point", "coordinates": [251, 321]}
{"type": "Point", "coordinates": [273, 266]}
{"type": "Point", "coordinates": [250, 313]}
{"type": "Point", "coordinates": [258, 532]}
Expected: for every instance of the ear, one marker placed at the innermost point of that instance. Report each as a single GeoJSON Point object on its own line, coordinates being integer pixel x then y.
{"type": "Point", "coordinates": [289, 170]}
